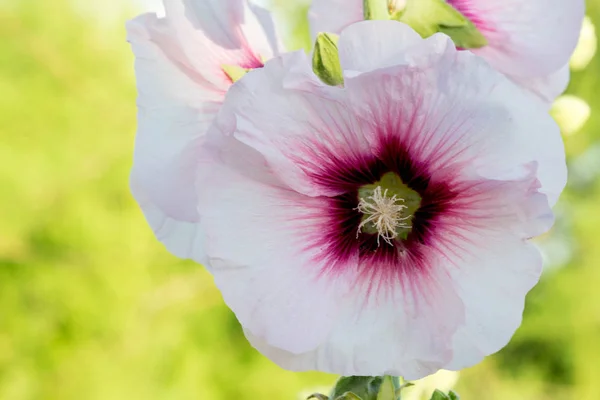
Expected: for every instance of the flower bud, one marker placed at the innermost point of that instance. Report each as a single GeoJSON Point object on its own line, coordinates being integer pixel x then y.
{"type": "Point", "coordinates": [326, 60]}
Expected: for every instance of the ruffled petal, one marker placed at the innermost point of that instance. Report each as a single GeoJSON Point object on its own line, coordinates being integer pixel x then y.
{"type": "Point", "coordinates": [174, 112]}
{"type": "Point", "coordinates": [526, 38]}
{"type": "Point", "coordinates": [333, 15]}
{"type": "Point", "coordinates": [262, 102]}
{"type": "Point", "coordinates": [405, 330]}
{"type": "Point", "coordinates": [213, 33]}
{"type": "Point", "coordinates": [276, 289]}
{"type": "Point", "coordinates": [494, 276]}
{"type": "Point", "coordinates": [360, 53]}
{"type": "Point", "coordinates": [548, 87]}
{"type": "Point", "coordinates": [456, 99]}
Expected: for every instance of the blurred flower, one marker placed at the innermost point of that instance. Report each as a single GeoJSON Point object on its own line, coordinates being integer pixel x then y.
{"type": "Point", "coordinates": [586, 47]}
{"type": "Point", "coordinates": [424, 388]}
{"type": "Point", "coordinates": [381, 227]}
{"type": "Point", "coordinates": [571, 113]}
{"type": "Point", "coordinates": [183, 68]}
{"type": "Point", "coordinates": [585, 169]}
{"type": "Point", "coordinates": [529, 41]}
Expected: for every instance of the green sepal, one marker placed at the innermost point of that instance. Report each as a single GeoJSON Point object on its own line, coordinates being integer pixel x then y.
{"type": "Point", "coordinates": [438, 395]}
{"type": "Point", "coordinates": [365, 387]}
{"type": "Point", "coordinates": [387, 390]}
{"type": "Point", "coordinates": [317, 396]}
{"type": "Point", "coordinates": [349, 396]}
{"type": "Point", "coordinates": [428, 17]}
{"type": "Point", "coordinates": [376, 10]}
{"type": "Point", "coordinates": [326, 59]}
{"type": "Point", "coordinates": [402, 387]}
{"type": "Point", "coordinates": [234, 72]}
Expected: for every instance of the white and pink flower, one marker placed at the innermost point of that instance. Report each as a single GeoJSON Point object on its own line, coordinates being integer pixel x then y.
{"type": "Point", "coordinates": [381, 227]}
{"type": "Point", "coordinates": [529, 41]}
{"type": "Point", "coordinates": [180, 64]}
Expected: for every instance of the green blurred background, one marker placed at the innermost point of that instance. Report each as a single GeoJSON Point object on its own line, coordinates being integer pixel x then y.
{"type": "Point", "coordinates": [93, 307]}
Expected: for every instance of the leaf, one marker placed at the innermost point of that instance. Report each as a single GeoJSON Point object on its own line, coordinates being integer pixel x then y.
{"type": "Point", "coordinates": [365, 387]}
{"type": "Point", "coordinates": [453, 396]}
{"type": "Point", "coordinates": [317, 396]}
{"type": "Point", "coordinates": [438, 395]}
{"type": "Point", "coordinates": [349, 396]}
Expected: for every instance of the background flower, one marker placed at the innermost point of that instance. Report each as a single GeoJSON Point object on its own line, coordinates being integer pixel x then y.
{"type": "Point", "coordinates": [529, 41]}
{"type": "Point", "coordinates": [181, 63]}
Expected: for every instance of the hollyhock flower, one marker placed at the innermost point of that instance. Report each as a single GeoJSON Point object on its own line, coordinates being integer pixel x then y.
{"type": "Point", "coordinates": [530, 41]}
{"type": "Point", "coordinates": [381, 227]}
{"type": "Point", "coordinates": [184, 64]}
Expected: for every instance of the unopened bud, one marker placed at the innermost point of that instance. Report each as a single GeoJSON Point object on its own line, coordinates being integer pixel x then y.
{"type": "Point", "coordinates": [326, 59]}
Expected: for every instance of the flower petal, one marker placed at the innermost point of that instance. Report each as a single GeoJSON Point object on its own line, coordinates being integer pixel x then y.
{"type": "Point", "coordinates": [459, 98]}
{"type": "Point", "coordinates": [262, 102]}
{"type": "Point", "coordinates": [548, 87]}
{"type": "Point", "coordinates": [359, 52]}
{"type": "Point", "coordinates": [214, 33]}
{"type": "Point", "coordinates": [174, 112]}
{"type": "Point", "coordinates": [494, 276]}
{"type": "Point", "coordinates": [526, 38]}
{"type": "Point", "coordinates": [401, 332]}
{"type": "Point", "coordinates": [275, 290]}
{"type": "Point", "coordinates": [333, 15]}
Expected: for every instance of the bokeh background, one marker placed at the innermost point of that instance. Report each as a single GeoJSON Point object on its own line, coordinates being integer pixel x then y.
{"type": "Point", "coordinates": [93, 307]}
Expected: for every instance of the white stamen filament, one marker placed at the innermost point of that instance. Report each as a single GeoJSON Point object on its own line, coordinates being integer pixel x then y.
{"type": "Point", "coordinates": [384, 213]}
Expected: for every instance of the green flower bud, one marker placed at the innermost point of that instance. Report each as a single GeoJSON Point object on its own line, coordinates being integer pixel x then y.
{"type": "Point", "coordinates": [326, 59]}
{"type": "Point", "coordinates": [387, 390]}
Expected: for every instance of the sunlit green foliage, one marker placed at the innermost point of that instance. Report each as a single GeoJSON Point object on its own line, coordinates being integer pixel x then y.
{"type": "Point", "coordinates": [93, 307]}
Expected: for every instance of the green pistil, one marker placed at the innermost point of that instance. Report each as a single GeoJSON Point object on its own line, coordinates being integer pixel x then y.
{"type": "Point", "coordinates": [388, 207]}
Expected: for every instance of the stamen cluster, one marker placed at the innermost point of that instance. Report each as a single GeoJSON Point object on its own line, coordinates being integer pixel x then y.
{"type": "Point", "coordinates": [385, 213]}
